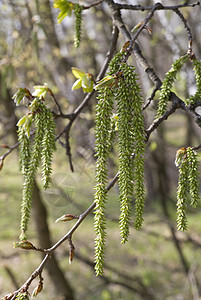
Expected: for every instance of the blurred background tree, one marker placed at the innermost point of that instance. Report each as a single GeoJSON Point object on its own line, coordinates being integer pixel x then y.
{"type": "Point", "coordinates": [158, 261]}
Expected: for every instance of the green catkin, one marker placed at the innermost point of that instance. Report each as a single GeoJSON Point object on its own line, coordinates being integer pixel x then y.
{"type": "Point", "coordinates": [167, 85]}
{"type": "Point", "coordinates": [43, 147]}
{"type": "Point", "coordinates": [24, 150]}
{"type": "Point", "coordinates": [139, 137]}
{"type": "Point", "coordinates": [102, 131]}
{"type": "Point", "coordinates": [182, 194]}
{"type": "Point", "coordinates": [78, 23]}
{"type": "Point", "coordinates": [197, 70]}
{"type": "Point", "coordinates": [131, 142]}
{"type": "Point", "coordinates": [30, 175]}
{"type": "Point", "coordinates": [48, 146]}
{"type": "Point", "coordinates": [125, 144]}
{"type": "Point", "coordinates": [193, 176]}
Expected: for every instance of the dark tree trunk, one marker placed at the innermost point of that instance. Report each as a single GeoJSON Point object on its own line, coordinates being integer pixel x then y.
{"type": "Point", "coordinates": [59, 281]}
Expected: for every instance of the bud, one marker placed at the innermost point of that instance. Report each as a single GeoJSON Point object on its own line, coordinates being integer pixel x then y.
{"type": "Point", "coordinates": [37, 289]}
{"type": "Point", "coordinates": [5, 146]}
{"type": "Point", "coordinates": [24, 245]}
{"type": "Point", "coordinates": [140, 25]}
{"type": "Point", "coordinates": [67, 217]}
{"type": "Point", "coordinates": [71, 254]}
{"type": "Point", "coordinates": [125, 46]}
{"type": "Point", "coordinates": [1, 164]}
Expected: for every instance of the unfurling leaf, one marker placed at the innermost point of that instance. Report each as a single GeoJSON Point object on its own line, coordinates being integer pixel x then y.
{"type": "Point", "coordinates": [20, 95]}
{"type": "Point", "coordinates": [181, 153]}
{"type": "Point", "coordinates": [24, 245]}
{"type": "Point", "coordinates": [85, 80]}
{"type": "Point", "coordinates": [67, 217]}
{"type": "Point", "coordinates": [25, 123]}
{"type": "Point", "coordinates": [77, 72]}
{"type": "Point", "coordinates": [40, 90]}
{"type": "Point", "coordinates": [77, 84]}
{"type": "Point", "coordinates": [65, 8]}
{"type": "Point", "coordinates": [107, 81]}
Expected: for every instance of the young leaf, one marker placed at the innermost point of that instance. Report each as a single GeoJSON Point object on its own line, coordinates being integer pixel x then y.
{"type": "Point", "coordinates": [87, 83]}
{"type": "Point", "coordinates": [25, 123]}
{"type": "Point", "coordinates": [85, 80]}
{"type": "Point", "coordinates": [65, 8]}
{"type": "Point", "coordinates": [77, 72]}
{"type": "Point", "coordinates": [40, 90]}
{"type": "Point", "coordinates": [77, 84]}
{"type": "Point", "coordinates": [19, 96]}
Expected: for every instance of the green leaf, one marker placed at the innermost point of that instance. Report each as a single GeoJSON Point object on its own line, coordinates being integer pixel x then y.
{"type": "Point", "coordinates": [89, 88]}
{"type": "Point", "coordinates": [65, 8]}
{"type": "Point", "coordinates": [22, 121]}
{"type": "Point", "coordinates": [77, 84]}
{"type": "Point", "coordinates": [87, 83]}
{"type": "Point", "coordinates": [77, 72]}
{"type": "Point", "coordinates": [85, 80]}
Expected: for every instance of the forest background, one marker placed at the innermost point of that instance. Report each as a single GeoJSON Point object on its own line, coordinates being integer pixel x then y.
{"type": "Point", "coordinates": [158, 261]}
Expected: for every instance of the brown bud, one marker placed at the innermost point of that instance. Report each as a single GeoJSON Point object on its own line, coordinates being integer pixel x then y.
{"type": "Point", "coordinates": [71, 254]}
{"type": "Point", "coordinates": [1, 164]}
{"type": "Point", "coordinates": [67, 217]}
{"type": "Point", "coordinates": [37, 289]}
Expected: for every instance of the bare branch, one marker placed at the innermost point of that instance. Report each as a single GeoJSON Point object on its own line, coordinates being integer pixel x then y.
{"type": "Point", "coordinates": [150, 7]}
{"type": "Point", "coordinates": [190, 37]}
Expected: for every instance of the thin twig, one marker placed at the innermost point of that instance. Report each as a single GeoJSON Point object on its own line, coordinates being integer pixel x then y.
{"type": "Point", "coordinates": [190, 36]}
{"type": "Point", "coordinates": [93, 4]}
{"type": "Point", "coordinates": [49, 251]}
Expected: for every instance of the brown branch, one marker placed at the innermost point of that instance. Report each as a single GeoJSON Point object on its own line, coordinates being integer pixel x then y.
{"type": "Point", "coordinates": [176, 103]}
{"type": "Point", "coordinates": [197, 147]}
{"type": "Point", "coordinates": [190, 36]}
{"type": "Point", "coordinates": [93, 4]}
{"type": "Point", "coordinates": [49, 251]}
{"type": "Point", "coordinates": [11, 148]}
{"type": "Point", "coordinates": [136, 49]}
{"type": "Point", "coordinates": [150, 7]}
{"type": "Point", "coordinates": [144, 23]}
